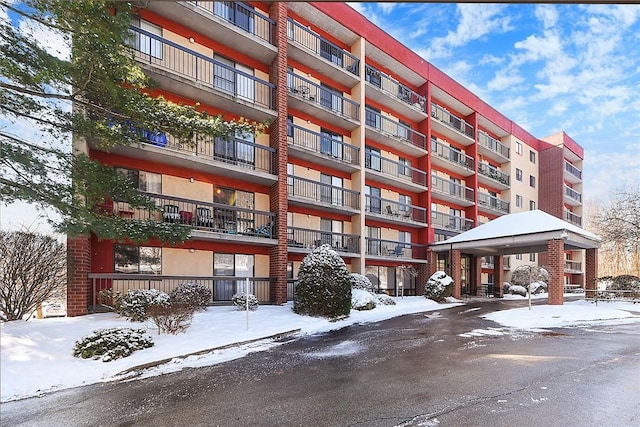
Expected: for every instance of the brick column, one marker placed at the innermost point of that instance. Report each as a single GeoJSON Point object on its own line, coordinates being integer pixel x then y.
{"type": "Point", "coordinates": [455, 272]}
{"type": "Point", "coordinates": [476, 275]}
{"type": "Point", "coordinates": [590, 272]}
{"type": "Point", "coordinates": [498, 276]}
{"type": "Point", "coordinates": [555, 262]}
{"type": "Point", "coordinates": [78, 267]}
{"type": "Point", "coordinates": [423, 276]}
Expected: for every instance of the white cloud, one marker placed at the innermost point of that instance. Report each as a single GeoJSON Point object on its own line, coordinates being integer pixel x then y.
{"type": "Point", "coordinates": [53, 41]}
{"type": "Point", "coordinates": [386, 8]}
{"type": "Point", "coordinates": [547, 14]}
{"type": "Point", "coordinates": [505, 79]}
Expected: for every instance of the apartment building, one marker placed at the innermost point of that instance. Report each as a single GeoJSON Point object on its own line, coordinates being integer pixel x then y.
{"type": "Point", "coordinates": [370, 149]}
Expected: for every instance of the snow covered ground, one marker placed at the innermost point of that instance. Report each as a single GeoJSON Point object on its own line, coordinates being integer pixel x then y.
{"type": "Point", "coordinates": [36, 355]}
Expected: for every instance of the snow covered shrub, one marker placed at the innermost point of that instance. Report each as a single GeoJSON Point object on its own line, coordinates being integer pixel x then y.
{"type": "Point", "coordinates": [439, 286]}
{"type": "Point", "coordinates": [625, 282]}
{"type": "Point", "coordinates": [196, 295]}
{"type": "Point", "coordinates": [240, 301]}
{"type": "Point", "coordinates": [362, 299]}
{"type": "Point", "coordinates": [505, 287]}
{"type": "Point", "coordinates": [384, 299]}
{"type": "Point", "coordinates": [324, 285]}
{"type": "Point", "coordinates": [358, 281]}
{"type": "Point", "coordinates": [171, 318]}
{"type": "Point", "coordinates": [518, 290]}
{"type": "Point", "coordinates": [133, 305]}
{"type": "Point", "coordinates": [110, 344]}
{"type": "Point", "coordinates": [538, 288]}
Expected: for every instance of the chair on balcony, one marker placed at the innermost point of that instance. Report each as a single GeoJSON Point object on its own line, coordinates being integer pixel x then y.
{"type": "Point", "coordinates": [203, 217]}
{"type": "Point", "coordinates": [171, 213]}
{"type": "Point", "coordinates": [397, 251]}
{"type": "Point", "coordinates": [390, 211]}
{"type": "Point", "coordinates": [265, 230]}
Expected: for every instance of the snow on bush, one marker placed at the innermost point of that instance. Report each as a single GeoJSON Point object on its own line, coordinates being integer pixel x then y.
{"type": "Point", "coordinates": [384, 299]}
{"type": "Point", "coordinates": [505, 287]}
{"type": "Point", "coordinates": [133, 305]}
{"type": "Point", "coordinates": [324, 285]}
{"type": "Point", "coordinates": [538, 288]}
{"type": "Point", "coordinates": [110, 344]}
{"type": "Point", "coordinates": [362, 300]}
{"type": "Point", "coordinates": [195, 295]}
{"type": "Point", "coordinates": [518, 290]}
{"type": "Point", "coordinates": [439, 286]}
{"type": "Point", "coordinates": [240, 301]}
{"type": "Point", "coordinates": [358, 281]}
{"type": "Point", "coordinates": [172, 318]}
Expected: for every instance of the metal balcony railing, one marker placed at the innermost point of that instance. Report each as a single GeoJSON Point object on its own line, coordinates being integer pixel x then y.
{"type": "Point", "coordinates": [242, 16]}
{"type": "Point", "coordinates": [451, 155]}
{"type": "Point", "coordinates": [307, 238]}
{"type": "Point", "coordinates": [395, 249]}
{"type": "Point", "coordinates": [572, 194]}
{"type": "Point", "coordinates": [450, 222]}
{"type": "Point", "coordinates": [459, 191]}
{"type": "Point", "coordinates": [454, 122]}
{"type": "Point", "coordinates": [322, 96]}
{"type": "Point", "coordinates": [572, 170]}
{"type": "Point", "coordinates": [493, 144]}
{"type": "Point", "coordinates": [378, 163]}
{"type": "Point", "coordinates": [393, 128]}
{"type": "Point", "coordinates": [393, 87]}
{"type": "Point", "coordinates": [324, 144]}
{"type": "Point", "coordinates": [493, 202]}
{"type": "Point", "coordinates": [206, 216]}
{"type": "Point", "coordinates": [319, 192]}
{"type": "Point", "coordinates": [393, 209]}
{"type": "Point", "coordinates": [493, 173]}
{"type": "Point", "coordinates": [572, 218]}
{"type": "Point", "coordinates": [572, 266]}
{"type": "Point", "coordinates": [160, 52]}
{"type": "Point", "coordinates": [322, 47]}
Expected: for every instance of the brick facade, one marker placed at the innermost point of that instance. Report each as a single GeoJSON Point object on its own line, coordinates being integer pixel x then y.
{"type": "Point", "coordinates": [455, 272]}
{"type": "Point", "coordinates": [498, 276]}
{"type": "Point", "coordinates": [591, 271]}
{"type": "Point", "coordinates": [78, 268]}
{"type": "Point", "coordinates": [555, 262]}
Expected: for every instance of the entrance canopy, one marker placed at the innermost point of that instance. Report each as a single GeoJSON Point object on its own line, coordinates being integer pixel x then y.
{"type": "Point", "coordinates": [519, 233]}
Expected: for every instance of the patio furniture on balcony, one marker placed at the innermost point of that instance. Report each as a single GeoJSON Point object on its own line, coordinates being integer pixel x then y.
{"type": "Point", "coordinates": [171, 213]}
{"type": "Point", "coordinates": [186, 217]}
{"type": "Point", "coordinates": [203, 217]}
{"type": "Point", "coordinates": [397, 251]}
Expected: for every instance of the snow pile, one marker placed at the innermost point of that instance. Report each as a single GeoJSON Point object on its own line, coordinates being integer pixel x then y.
{"type": "Point", "coordinates": [363, 300]}
{"type": "Point", "coordinates": [439, 286]}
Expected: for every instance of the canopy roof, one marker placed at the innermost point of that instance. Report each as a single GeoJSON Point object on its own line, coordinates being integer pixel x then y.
{"type": "Point", "coordinates": [523, 232]}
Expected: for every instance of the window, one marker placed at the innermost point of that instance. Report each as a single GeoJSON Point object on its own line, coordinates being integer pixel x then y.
{"type": "Point", "coordinates": [519, 148]}
{"type": "Point", "coordinates": [233, 265]}
{"type": "Point", "coordinates": [144, 181]}
{"type": "Point", "coordinates": [331, 189]}
{"type": "Point", "coordinates": [404, 129]}
{"type": "Point", "coordinates": [519, 256]}
{"type": "Point", "coordinates": [532, 156]}
{"type": "Point", "coordinates": [372, 117]}
{"type": "Point", "coordinates": [374, 201]}
{"type": "Point", "coordinates": [532, 205]}
{"type": "Point", "coordinates": [519, 174]}
{"type": "Point", "coordinates": [405, 205]}
{"type": "Point", "coordinates": [331, 98]}
{"type": "Point", "coordinates": [240, 15]}
{"type": "Point", "coordinates": [434, 210]}
{"type": "Point", "coordinates": [290, 179]}
{"type": "Point", "coordinates": [331, 52]}
{"type": "Point", "coordinates": [239, 150]}
{"type": "Point", "coordinates": [372, 159]}
{"type": "Point", "coordinates": [404, 166]}
{"type": "Point", "coordinates": [146, 44]}
{"type": "Point", "coordinates": [532, 181]}
{"type": "Point", "coordinates": [290, 271]}
{"type": "Point", "coordinates": [290, 126]}
{"type": "Point", "coordinates": [330, 143]}
{"type": "Point", "coordinates": [532, 257]}
{"type": "Point", "coordinates": [373, 241]}
{"type": "Point", "coordinates": [137, 259]}
{"type": "Point", "coordinates": [373, 76]}
{"type": "Point", "coordinates": [518, 201]}
{"type": "Point", "coordinates": [455, 221]}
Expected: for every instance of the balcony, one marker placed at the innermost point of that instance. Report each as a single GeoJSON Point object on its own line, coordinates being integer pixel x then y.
{"type": "Point", "coordinates": [320, 54]}
{"type": "Point", "coordinates": [229, 23]}
{"type": "Point", "coordinates": [451, 126]}
{"type": "Point", "coordinates": [487, 262]}
{"type": "Point", "coordinates": [451, 191]}
{"type": "Point", "coordinates": [193, 75]}
{"type": "Point", "coordinates": [394, 134]}
{"type": "Point", "coordinates": [208, 221]}
{"type": "Point", "coordinates": [316, 147]}
{"type": "Point", "coordinates": [492, 204]}
{"type": "Point", "coordinates": [394, 173]}
{"type": "Point", "coordinates": [572, 197]}
{"type": "Point", "coordinates": [572, 174]}
{"type": "Point", "coordinates": [572, 218]}
{"type": "Point", "coordinates": [385, 90]}
{"type": "Point", "coordinates": [574, 267]}
{"type": "Point", "coordinates": [451, 159]}
{"type": "Point", "coordinates": [305, 240]}
{"type": "Point", "coordinates": [393, 212]}
{"type": "Point", "coordinates": [390, 249]}
{"type": "Point", "coordinates": [323, 103]}
{"type": "Point", "coordinates": [492, 148]}
{"type": "Point", "coordinates": [492, 176]}
{"type": "Point", "coordinates": [305, 192]}
{"type": "Point", "coordinates": [453, 223]}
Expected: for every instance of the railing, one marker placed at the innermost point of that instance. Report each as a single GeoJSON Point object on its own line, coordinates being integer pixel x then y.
{"type": "Point", "coordinates": [241, 16]}
{"type": "Point", "coordinates": [169, 55]}
{"type": "Point", "coordinates": [324, 144]}
{"type": "Point", "coordinates": [611, 295]}
{"type": "Point", "coordinates": [493, 202]}
{"type": "Point", "coordinates": [454, 156]}
{"type": "Point", "coordinates": [322, 47]}
{"type": "Point", "coordinates": [450, 222]}
{"type": "Point", "coordinates": [487, 262]}
{"type": "Point", "coordinates": [390, 208]}
{"type": "Point", "coordinates": [572, 218]}
{"type": "Point", "coordinates": [207, 216]}
{"type": "Point", "coordinates": [572, 194]}
{"type": "Point", "coordinates": [392, 248]}
{"type": "Point", "coordinates": [326, 98]}
{"type": "Point", "coordinates": [307, 238]}
{"type": "Point", "coordinates": [493, 173]}
{"type": "Point", "coordinates": [393, 87]}
{"type": "Point", "coordinates": [493, 144]}
{"type": "Point", "coordinates": [572, 170]}
{"type": "Point", "coordinates": [376, 162]}
{"type": "Point", "coordinates": [454, 122]}
{"type": "Point", "coordinates": [570, 266]}
{"type": "Point", "coordinates": [459, 191]}
{"type": "Point", "coordinates": [319, 192]}
{"type": "Point", "coordinates": [393, 128]}
{"type": "Point", "coordinates": [222, 287]}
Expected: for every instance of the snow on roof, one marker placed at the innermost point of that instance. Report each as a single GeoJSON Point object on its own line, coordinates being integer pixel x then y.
{"type": "Point", "coordinates": [518, 224]}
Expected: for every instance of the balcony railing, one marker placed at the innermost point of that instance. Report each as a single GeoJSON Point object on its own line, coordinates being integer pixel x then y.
{"type": "Point", "coordinates": [572, 266]}
{"type": "Point", "coordinates": [572, 170]}
{"type": "Point", "coordinates": [395, 249]}
{"type": "Point", "coordinates": [393, 209]}
{"type": "Point", "coordinates": [393, 87]}
{"type": "Point", "coordinates": [376, 162]}
{"type": "Point", "coordinates": [322, 47]}
{"type": "Point", "coordinates": [572, 218]}
{"type": "Point", "coordinates": [394, 129]}
{"type": "Point", "coordinates": [160, 52]}
{"type": "Point", "coordinates": [450, 222]}
{"type": "Point", "coordinates": [493, 202]}
{"type": "Point", "coordinates": [454, 156]}
{"type": "Point", "coordinates": [454, 122]}
{"type": "Point", "coordinates": [323, 144]}
{"type": "Point", "coordinates": [307, 238]}
{"type": "Point", "coordinates": [493, 173]}
{"type": "Point", "coordinates": [487, 262]}
{"type": "Point", "coordinates": [572, 194]}
{"type": "Point", "coordinates": [454, 189]}
{"type": "Point", "coordinates": [493, 144]}
{"type": "Point", "coordinates": [206, 216]}
{"type": "Point", "coordinates": [324, 97]}
{"type": "Point", "coordinates": [325, 193]}
{"type": "Point", "coordinates": [241, 16]}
